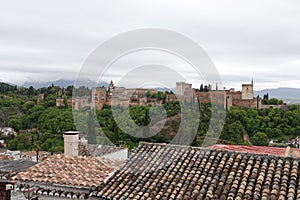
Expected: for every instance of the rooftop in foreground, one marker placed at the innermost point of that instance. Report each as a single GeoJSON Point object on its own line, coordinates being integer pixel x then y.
{"type": "Point", "coordinates": [10, 168]}
{"type": "Point", "coordinates": [70, 171]}
{"type": "Point", "coordinates": [161, 171]}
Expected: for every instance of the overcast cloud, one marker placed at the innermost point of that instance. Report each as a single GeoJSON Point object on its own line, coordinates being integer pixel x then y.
{"type": "Point", "coordinates": [49, 40]}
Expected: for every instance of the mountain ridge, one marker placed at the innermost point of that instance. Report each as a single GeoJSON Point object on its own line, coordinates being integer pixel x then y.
{"type": "Point", "coordinates": [65, 83]}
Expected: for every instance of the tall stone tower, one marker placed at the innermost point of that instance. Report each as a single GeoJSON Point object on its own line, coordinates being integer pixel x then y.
{"type": "Point", "coordinates": [182, 87]}
{"type": "Point", "coordinates": [71, 142]}
{"type": "Point", "coordinates": [247, 91]}
{"type": "Point", "coordinates": [111, 86]}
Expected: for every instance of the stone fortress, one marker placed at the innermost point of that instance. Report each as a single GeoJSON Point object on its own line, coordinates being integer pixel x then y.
{"type": "Point", "coordinates": [228, 98]}
{"type": "Point", "coordinates": [122, 96]}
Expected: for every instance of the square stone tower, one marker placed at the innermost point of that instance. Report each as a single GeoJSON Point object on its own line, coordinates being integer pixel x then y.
{"type": "Point", "coordinates": [247, 91]}
{"type": "Point", "coordinates": [182, 87]}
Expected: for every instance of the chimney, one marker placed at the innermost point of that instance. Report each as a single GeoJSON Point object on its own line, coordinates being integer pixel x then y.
{"type": "Point", "coordinates": [71, 142]}
{"type": "Point", "coordinates": [287, 151]}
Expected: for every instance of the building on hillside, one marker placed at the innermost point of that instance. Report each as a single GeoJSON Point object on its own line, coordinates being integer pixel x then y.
{"type": "Point", "coordinates": [24, 155]}
{"type": "Point", "coordinates": [40, 98]}
{"type": "Point", "coordinates": [185, 92]}
{"type": "Point", "coordinates": [81, 102]}
{"type": "Point", "coordinates": [33, 155]}
{"type": "Point", "coordinates": [277, 151]}
{"type": "Point", "coordinates": [133, 96]}
{"type": "Point", "coordinates": [77, 103]}
{"type": "Point", "coordinates": [228, 98]}
{"type": "Point", "coordinates": [247, 91]}
{"type": "Point", "coordinates": [161, 171]}
{"type": "Point", "coordinates": [171, 98]}
{"type": "Point", "coordinates": [60, 102]}
{"type": "Point", "coordinates": [99, 97]}
{"type": "Point", "coordinates": [5, 131]}
{"type": "Point", "coordinates": [182, 87]}
{"type": "Point", "coordinates": [245, 98]}
{"type": "Point", "coordinates": [3, 143]}
{"type": "Point", "coordinates": [99, 94]}
{"type": "Point", "coordinates": [122, 96]}
{"type": "Point", "coordinates": [111, 86]}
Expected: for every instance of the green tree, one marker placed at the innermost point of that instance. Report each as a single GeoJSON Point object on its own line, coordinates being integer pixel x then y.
{"type": "Point", "coordinates": [234, 133]}
{"type": "Point", "coordinates": [22, 141]}
{"type": "Point", "coordinates": [260, 139]}
{"type": "Point", "coordinates": [206, 89]}
{"type": "Point", "coordinates": [16, 124]}
{"type": "Point", "coordinates": [31, 91]}
{"type": "Point", "coordinates": [65, 101]}
{"type": "Point", "coordinates": [148, 94]}
{"type": "Point", "coordinates": [273, 101]}
{"type": "Point", "coordinates": [201, 87]}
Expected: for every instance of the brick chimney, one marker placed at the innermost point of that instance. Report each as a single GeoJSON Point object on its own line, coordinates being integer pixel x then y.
{"type": "Point", "coordinates": [71, 142]}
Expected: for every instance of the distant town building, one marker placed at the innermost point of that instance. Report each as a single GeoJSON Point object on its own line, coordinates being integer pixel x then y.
{"type": "Point", "coordinates": [60, 102]}
{"type": "Point", "coordinates": [40, 98]}
{"type": "Point", "coordinates": [7, 131]}
{"type": "Point", "coordinates": [81, 102]}
{"type": "Point", "coordinates": [24, 155]}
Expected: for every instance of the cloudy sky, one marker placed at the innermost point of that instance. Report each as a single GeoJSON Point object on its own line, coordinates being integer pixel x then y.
{"type": "Point", "coordinates": [49, 40]}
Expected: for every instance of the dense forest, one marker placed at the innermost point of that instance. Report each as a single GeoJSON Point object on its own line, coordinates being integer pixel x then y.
{"type": "Point", "coordinates": [40, 126]}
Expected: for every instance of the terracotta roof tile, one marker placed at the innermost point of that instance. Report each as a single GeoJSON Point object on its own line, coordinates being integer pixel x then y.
{"type": "Point", "coordinates": [72, 171]}
{"type": "Point", "coordinates": [160, 171]}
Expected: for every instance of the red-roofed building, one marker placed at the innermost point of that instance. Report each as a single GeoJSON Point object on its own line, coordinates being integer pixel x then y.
{"type": "Point", "coordinates": [259, 150]}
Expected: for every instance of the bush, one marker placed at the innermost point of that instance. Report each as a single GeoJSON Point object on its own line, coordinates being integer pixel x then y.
{"type": "Point", "coordinates": [260, 139]}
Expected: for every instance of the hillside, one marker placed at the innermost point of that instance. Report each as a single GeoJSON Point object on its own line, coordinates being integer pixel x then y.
{"type": "Point", "coordinates": [289, 95]}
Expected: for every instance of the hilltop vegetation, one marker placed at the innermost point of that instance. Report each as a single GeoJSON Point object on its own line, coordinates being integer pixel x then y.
{"type": "Point", "coordinates": [41, 126]}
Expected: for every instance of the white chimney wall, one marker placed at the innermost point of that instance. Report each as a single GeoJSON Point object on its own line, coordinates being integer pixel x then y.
{"type": "Point", "coordinates": [71, 142]}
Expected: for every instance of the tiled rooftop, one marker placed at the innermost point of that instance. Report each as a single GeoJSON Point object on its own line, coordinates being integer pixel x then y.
{"type": "Point", "coordinates": [55, 193]}
{"type": "Point", "coordinates": [69, 171]}
{"type": "Point", "coordinates": [9, 168]}
{"type": "Point", "coordinates": [160, 171]}
{"type": "Point", "coordinates": [257, 149]}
